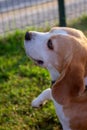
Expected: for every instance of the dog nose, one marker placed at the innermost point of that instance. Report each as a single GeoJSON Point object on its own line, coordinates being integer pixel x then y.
{"type": "Point", "coordinates": [28, 36]}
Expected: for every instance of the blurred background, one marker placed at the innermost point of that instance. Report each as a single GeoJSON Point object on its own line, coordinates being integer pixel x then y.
{"type": "Point", "coordinates": [20, 79]}
{"type": "Point", "coordinates": [16, 14]}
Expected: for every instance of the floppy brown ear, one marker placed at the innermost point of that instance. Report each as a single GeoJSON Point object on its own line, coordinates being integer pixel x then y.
{"type": "Point", "coordinates": [64, 50]}
{"type": "Point", "coordinates": [71, 80]}
{"type": "Point", "coordinates": [71, 85]}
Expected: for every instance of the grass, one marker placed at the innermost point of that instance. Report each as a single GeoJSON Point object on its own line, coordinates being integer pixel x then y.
{"type": "Point", "coordinates": [20, 82]}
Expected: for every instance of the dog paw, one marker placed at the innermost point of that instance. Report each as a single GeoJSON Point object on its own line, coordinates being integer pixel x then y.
{"type": "Point", "coordinates": [36, 103]}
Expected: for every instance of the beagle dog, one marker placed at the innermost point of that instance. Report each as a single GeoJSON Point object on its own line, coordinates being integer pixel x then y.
{"type": "Point", "coordinates": [63, 51]}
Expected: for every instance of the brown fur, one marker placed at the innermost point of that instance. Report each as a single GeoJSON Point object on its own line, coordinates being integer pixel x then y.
{"type": "Point", "coordinates": [69, 89]}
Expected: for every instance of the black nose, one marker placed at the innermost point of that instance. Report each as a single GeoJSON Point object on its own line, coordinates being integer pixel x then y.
{"type": "Point", "coordinates": [28, 36]}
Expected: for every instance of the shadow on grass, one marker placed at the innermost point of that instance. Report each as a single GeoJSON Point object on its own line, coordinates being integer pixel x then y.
{"type": "Point", "coordinates": [49, 124]}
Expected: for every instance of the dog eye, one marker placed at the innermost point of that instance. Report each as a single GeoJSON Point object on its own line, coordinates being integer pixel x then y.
{"type": "Point", "coordinates": [49, 44]}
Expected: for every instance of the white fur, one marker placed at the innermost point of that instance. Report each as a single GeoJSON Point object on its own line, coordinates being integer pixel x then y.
{"type": "Point", "coordinates": [45, 95]}
{"type": "Point", "coordinates": [62, 32]}
{"type": "Point", "coordinates": [63, 119]}
{"type": "Point", "coordinates": [36, 48]}
{"type": "Point", "coordinates": [53, 72]}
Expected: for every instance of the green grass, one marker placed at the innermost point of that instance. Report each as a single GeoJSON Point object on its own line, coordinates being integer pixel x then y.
{"type": "Point", "coordinates": [20, 82]}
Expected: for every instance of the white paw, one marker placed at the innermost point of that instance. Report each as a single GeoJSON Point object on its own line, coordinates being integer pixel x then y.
{"type": "Point", "coordinates": [36, 103]}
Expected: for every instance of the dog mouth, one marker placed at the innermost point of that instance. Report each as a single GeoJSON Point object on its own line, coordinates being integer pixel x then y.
{"type": "Point", "coordinates": [39, 62]}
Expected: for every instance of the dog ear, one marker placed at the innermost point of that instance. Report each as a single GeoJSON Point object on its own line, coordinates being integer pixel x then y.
{"type": "Point", "coordinates": [71, 85]}
{"type": "Point", "coordinates": [71, 80]}
{"type": "Point", "coordinates": [69, 50]}
{"type": "Point", "coordinates": [64, 52]}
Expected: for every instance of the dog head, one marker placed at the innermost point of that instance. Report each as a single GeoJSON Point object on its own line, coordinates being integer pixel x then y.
{"type": "Point", "coordinates": [63, 52]}
{"type": "Point", "coordinates": [52, 50]}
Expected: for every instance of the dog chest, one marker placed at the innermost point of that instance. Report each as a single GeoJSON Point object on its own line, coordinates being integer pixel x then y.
{"type": "Point", "coordinates": [63, 119]}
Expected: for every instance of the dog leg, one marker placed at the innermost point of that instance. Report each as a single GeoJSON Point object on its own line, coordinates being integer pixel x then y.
{"type": "Point", "coordinates": [45, 95]}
